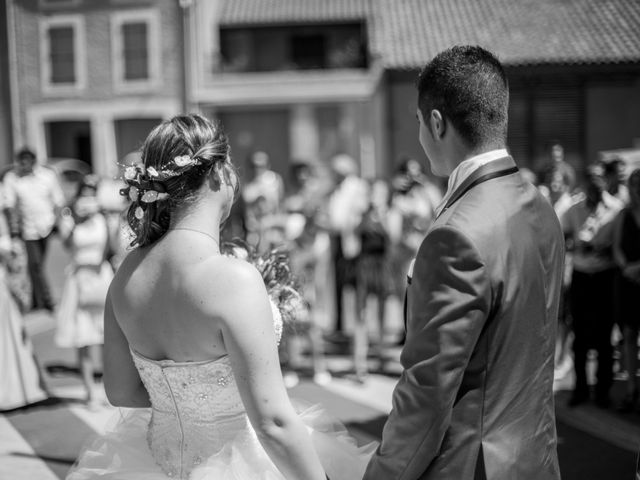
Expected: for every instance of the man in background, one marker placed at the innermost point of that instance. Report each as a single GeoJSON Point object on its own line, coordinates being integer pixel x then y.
{"type": "Point", "coordinates": [34, 199]}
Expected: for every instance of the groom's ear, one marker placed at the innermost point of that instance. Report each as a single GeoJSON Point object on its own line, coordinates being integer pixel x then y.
{"type": "Point", "coordinates": [437, 124]}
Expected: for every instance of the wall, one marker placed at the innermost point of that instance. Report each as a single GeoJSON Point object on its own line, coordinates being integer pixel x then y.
{"type": "Point", "coordinates": [6, 144]}
{"type": "Point", "coordinates": [613, 116]}
{"type": "Point", "coordinates": [609, 116]}
{"type": "Point", "coordinates": [257, 129]}
{"type": "Point", "coordinates": [403, 125]}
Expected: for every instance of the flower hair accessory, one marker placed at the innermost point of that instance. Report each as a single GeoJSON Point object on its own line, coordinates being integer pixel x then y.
{"type": "Point", "coordinates": [145, 184]}
{"type": "Point", "coordinates": [143, 187]}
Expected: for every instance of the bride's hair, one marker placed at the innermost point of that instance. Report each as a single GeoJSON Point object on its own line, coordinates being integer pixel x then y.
{"type": "Point", "coordinates": [177, 158]}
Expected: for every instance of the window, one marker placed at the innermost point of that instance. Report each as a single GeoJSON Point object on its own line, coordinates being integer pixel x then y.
{"type": "Point", "coordinates": [63, 58]}
{"type": "Point", "coordinates": [62, 55]}
{"type": "Point", "coordinates": [135, 52]}
{"type": "Point", "coordinates": [308, 51]}
{"type": "Point", "coordinates": [136, 49]}
{"type": "Point", "coordinates": [293, 47]}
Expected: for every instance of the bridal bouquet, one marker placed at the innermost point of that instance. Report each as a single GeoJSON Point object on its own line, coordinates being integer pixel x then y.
{"type": "Point", "coordinates": [276, 273]}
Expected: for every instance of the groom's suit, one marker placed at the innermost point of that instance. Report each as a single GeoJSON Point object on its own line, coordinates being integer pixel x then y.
{"type": "Point", "coordinates": [475, 399]}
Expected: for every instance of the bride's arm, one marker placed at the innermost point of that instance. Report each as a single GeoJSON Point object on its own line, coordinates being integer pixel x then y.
{"type": "Point", "coordinates": [248, 334]}
{"type": "Point", "coordinates": [121, 379]}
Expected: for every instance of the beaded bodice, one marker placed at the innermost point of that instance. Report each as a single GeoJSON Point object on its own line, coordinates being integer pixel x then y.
{"type": "Point", "coordinates": [195, 410]}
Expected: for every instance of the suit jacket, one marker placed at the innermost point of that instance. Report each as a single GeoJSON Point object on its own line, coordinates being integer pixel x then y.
{"type": "Point", "coordinates": [475, 398]}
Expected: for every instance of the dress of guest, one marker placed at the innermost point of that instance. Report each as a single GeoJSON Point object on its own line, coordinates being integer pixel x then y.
{"type": "Point", "coordinates": [81, 311]}
{"type": "Point", "coordinates": [20, 380]}
{"type": "Point", "coordinates": [626, 249]}
{"type": "Point", "coordinates": [588, 227]}
{"type": "Point", "coordinates": [34, 198]}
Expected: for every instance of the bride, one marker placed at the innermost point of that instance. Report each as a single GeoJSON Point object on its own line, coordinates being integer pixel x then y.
{"type": "Point", "coordinates": [191, 340]}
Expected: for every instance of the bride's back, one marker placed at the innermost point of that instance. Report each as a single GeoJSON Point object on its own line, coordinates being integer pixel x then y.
{"type": "Point", "coordinates": [156, 294]}
{"type": "Point", "coordinates": [179, 196]}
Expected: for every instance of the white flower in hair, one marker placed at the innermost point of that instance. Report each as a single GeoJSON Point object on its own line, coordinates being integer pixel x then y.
{"type": "Point", "coordinates": [133, 194]}
{"type": "Point", "coordinates": [151, 196]}
{"type": "Point", "coordinates": [139, 213]}
{"type": "Point", "coordinates": [130, 173]}
{"type": "Point", "coordinates": [184, 161]}
{"type": "Point", "coordinates": [152, 172]}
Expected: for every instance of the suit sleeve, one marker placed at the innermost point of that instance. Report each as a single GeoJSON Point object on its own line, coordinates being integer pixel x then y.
{"type": "Point", "coordinates": [448, 303]}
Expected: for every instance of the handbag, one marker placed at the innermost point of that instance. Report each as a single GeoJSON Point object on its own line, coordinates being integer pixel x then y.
{"type": "Point", "coordinates": [93, 283]}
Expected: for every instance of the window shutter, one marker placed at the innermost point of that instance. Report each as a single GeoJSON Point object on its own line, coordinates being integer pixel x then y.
{"type": "Point", "coordinates": [556, 118]}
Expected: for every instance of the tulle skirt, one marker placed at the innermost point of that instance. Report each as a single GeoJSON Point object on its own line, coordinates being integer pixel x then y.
{"type": "Point", "coordinates": [122, 453]}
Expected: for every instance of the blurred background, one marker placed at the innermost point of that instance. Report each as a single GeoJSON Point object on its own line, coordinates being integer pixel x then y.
{"type": "Point", "coordinates": [318, 100]}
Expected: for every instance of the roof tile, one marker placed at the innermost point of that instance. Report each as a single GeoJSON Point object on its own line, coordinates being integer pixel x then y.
{"type": "Point", "coordinates": [404, 34]}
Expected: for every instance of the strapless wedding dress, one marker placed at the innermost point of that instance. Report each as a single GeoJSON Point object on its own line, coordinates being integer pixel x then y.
{"type": "Point", "coordinates": [198, 429]}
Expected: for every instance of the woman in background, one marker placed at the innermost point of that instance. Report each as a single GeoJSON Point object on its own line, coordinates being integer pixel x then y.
{"type": "Point", "coordinates": [80, 326]}
{"type": "Point", "coordinates": [20, 380]}
{"type": "Point", "coordinates": [626, 251]}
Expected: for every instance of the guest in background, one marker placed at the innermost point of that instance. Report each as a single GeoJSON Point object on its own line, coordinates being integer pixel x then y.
{"type": "Point", "coordinates": [34, 198]}
{"type": "Point", "coordinates": [20, 380]}
{"type": "Point", "coordinates": [373, 275]}
{"type": "Point", "coordinates": [556, 187]}
{"type": "Point", "coordinates": [614, 179]}
{"type": "Point", "coordinates": [413, 204]}
{"type": "Point", "coordinates": [588, 227]}
{"type": "Point", "coordinates": [626, 250]}
{"type": "Point", "coordinates": [309, 253]}
{"type": "Point", "coordinates": [85, 231]}
{"type": "Point", "coordinates": [561, 165]}
{"type": "Point", "coordinates": [263, 197]}
{"type": "Point", "coordinates": [346, 205]}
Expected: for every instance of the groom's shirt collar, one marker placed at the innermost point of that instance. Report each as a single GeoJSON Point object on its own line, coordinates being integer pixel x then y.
{"type": "Point", "coordinates": [466, 168]}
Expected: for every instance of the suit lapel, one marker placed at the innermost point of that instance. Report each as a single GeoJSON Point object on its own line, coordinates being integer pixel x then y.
{"type": "Point", "coordinates": [494, 169]}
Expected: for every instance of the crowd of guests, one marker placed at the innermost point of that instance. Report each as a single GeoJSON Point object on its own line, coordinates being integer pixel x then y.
{"type": "Point", "coordinates": [34, 209]}
{"type": "Point", "coordinates": [343, 232]}
{"type": "Point", "coordinates": [598, 214]}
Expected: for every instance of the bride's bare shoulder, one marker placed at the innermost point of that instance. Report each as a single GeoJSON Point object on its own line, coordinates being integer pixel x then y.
{"type": "Point", "coordinates": [225, 286]}
{"type": "Point", "coordinates": [229, 272]}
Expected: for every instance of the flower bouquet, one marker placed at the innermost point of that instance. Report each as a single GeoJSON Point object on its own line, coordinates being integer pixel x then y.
{"type": "Point", "coordinates": [280, 282]}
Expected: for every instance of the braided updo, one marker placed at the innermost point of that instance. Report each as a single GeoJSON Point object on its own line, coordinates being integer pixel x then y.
{"type": "Point", "coordinates": [177, 156]}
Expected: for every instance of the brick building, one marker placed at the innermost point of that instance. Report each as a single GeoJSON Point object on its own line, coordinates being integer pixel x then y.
{"type": "Point", "coordinates": [309, 78]}
{"type": "Point", "coordinates": [91, 77]}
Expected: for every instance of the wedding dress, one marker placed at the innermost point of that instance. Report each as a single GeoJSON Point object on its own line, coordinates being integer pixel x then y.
{"type": "Point", "coordinates": [198, 429]}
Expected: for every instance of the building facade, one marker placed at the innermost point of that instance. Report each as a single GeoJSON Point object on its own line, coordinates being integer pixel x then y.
{"type": "Point", "coordinates": [90, 78]}
{"type": "Point", "coordinates": [304, 79]}
{"type": "Point", "coordinates": [296, 90]}
{"type": "Point", "coordinates": [307, 79]}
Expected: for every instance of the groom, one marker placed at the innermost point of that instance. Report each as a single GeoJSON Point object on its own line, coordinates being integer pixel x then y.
{"type": "Point", "coordinates": [475, 398]}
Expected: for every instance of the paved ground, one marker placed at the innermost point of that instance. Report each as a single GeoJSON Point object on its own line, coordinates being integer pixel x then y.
{"type": "Point", "coordinates": [40, 443]}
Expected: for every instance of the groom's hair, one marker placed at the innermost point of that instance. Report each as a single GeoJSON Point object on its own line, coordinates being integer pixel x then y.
{"type": "Point", "coordinates": [469, 87]}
